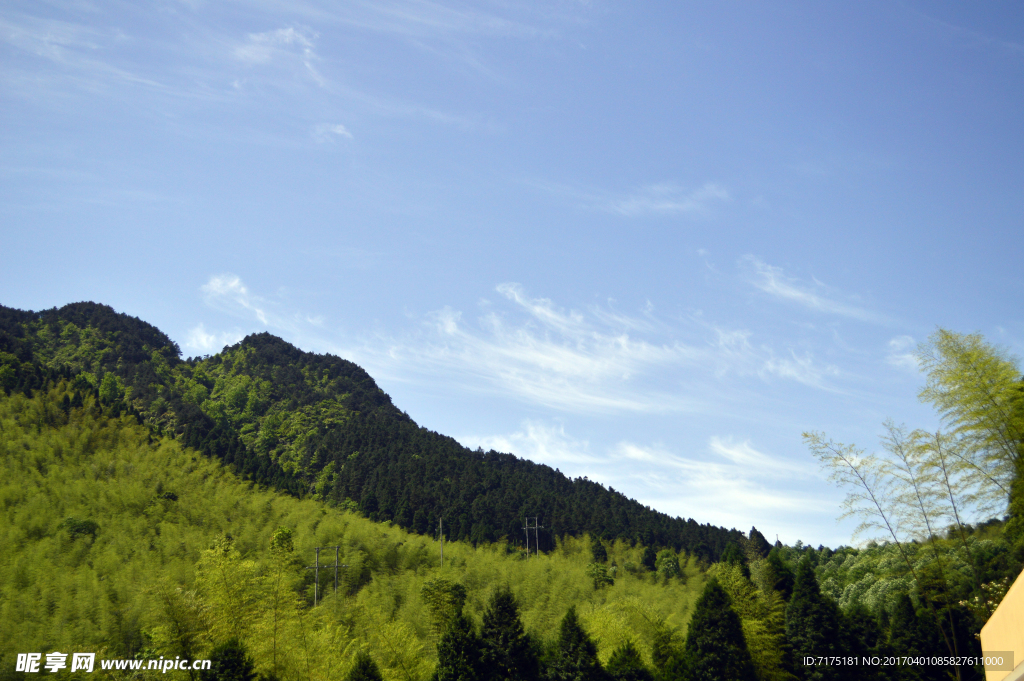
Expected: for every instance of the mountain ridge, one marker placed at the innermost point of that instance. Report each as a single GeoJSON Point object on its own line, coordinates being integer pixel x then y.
{"type": "Point", "coordinates": [319, 425]}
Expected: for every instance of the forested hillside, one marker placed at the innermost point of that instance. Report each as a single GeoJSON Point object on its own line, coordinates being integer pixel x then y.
{"type": "Point", "coordinates": [134, 527]}
{"type": "Point", "coordinates": [116, 542]}
{"type": "Point", "coordinates": [318, 425]}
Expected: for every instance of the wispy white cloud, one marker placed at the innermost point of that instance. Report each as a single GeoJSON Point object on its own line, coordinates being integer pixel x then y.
{"type": "Point", "coordinates": [667, 199]}
{"type": "Point", "coordinates": [802, 369]}
{"type": "Point", "coordinates": [599, 360]}
{"type": "Point", "coordinates": [731, 484]}
{"type": "Point", "coordinates": [557, 358]}
{"type": "Point", "coordinates": [281, 44]}
{"type": "Point", "coordinates": [72, 52]}
{"type": "Point", "coordinates": [328, 132]}
{"type": "Point", "coordinates": [205, 342]}
{"type": "Point", "coordinates": [664, 198]}
{"type": "Point", "coordinates": [592, 361]}
{"type": "Point", "coordinates": [774, 281]}
{"type": "Point", "coordinates": [228, 293]}
{"type": "Point", "coordinates": [538, 442]}
{"type": "Point", "coordinates": [901, 353]}
{"type": "Point", "coordinates": [260, 48]}
{"type": "Point", "coordinates": [425, 19]}
{"type": "Point", "coordinates": [744, 455]}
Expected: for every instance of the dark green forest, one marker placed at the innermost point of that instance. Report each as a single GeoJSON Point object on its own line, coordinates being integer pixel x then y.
{"type": "Point", "coordinates": [152, 507]}
{"type": "Point", "coordinates": [318, 425]}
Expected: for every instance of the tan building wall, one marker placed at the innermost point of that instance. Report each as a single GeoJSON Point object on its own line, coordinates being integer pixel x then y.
{"type": "Point", "coordinates": [1005, 631]}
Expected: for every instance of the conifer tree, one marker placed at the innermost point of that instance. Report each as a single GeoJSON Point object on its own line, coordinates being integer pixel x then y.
{"type": "Point", "coordinates": [860, 636]}
{"type": "Point", "coordinates": [662, 647]}
{"type": "Point", "coordinates": [910, 635]}
{"type": "Point", "coordinates": [458, 652]}
{"type": "Point", "coordinates": [715, 640]}
{"type": "Point", "coordinates": [575, 654]}
{"type": "Point", "coordinates": [649, 558]}
{"type": "Point", "coordinates": [780, 576]}
{"type": "Point", "coordinates": [507, 654]}
{"type": "Point", "coordinates": [229, 662]}
{"type": "Point", "coordinates": [627, 665]}
{"type": "Point", "coordinates": [757, 545]}
{"type": "Point", "coordinates": [444, 599]}
{"type": "Point", "coordinates": [678, 667]}
{"type": "Point", "coordinates": [812, 626]}
{"type": "Point", "coordinates": [860, 631]}
{"type": "Point", "coordinates": [365, 669]}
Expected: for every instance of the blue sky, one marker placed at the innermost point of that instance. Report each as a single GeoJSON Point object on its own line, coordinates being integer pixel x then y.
{"type": "Point", "coordinates": [646, 243]}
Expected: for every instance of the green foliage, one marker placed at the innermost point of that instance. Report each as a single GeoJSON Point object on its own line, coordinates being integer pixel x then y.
{"type": "Point", "coordinates": [444, 600]}
{"type": "Point", "coordinates": [282, 542]}
{"type": "Point", "coordinates": [763, 617]}
{"type": "Point", "coordinates": [977, 390]}
{"type": "Point", "coordinates": [626, 664]}
{"type": "Point", "coordinates": [649, 558]}
{"type": "Point", "coordinates": [229, 662]}
{"type": "Point", "coordinates": [364, 669]}
{"type": "Point", "coordinates": [715, 640]}
{"type": "Point", "coordinates": [757, 546]}
{"type": "Point", "coordinates": [459, 654]}
{"type": "Point", "coordinates": [774, 575]}
{"type": "Point", "coordinates": [318, 425]}
{"type": "Point", "coordinates": [925, 485]}
{"type": "Point", "coordinates": [80, 528]}
{"type": "Point", "coordinates": [911, 633]}
{"type": "Point", "coordinates": [599, 573]}
{"type": "Point", "coordinates": [812, 626]}
{"type": "Point", "coordinates": [667, 564]}
{"type": "Point", "coordinates": [507, 652]}
{"type": "Point", "coordinates": [574, 657]}
{"type": "Point", "coordinates": [176, 577]}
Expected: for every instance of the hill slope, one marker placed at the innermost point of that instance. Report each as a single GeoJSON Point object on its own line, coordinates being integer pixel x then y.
{"type": "Point", "coordinates": [318, 425]}
{"type": "Point", "coordinates": [117, 543]}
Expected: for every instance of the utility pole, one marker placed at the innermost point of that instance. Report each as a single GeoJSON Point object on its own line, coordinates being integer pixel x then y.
{"type": "Point", "coordinates": [536, 537]}
{"type": "Point", "coordinates": [316, 571]}
{"type": "Point", "coordinates": [316, 577]}
{"type": "Point", "coordinates": [337, 550]}
{"type": "Point", "coordinates": [440, 534]}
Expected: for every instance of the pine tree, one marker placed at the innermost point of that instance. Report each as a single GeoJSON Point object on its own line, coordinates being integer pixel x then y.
{"type": "Point", "coordinates": [444, 600]}
{"type": "Point", "coordinates": [757, 545]}
{"type": "Point", "coordinates": [649, 558]}
{"type": "Point", "coordinates": [812, 626]}
{"type": "Point", "coordinates": [365, 669]}
{"type": "Point", "coordinates": [575, 654]}
{"type": "Point", "coordinates": [627, 665]}
{"type": "Point", "coordinates": [679, 666]}
{"type": "Point", "coordinates": [507, 654]}
{"type": "Point", "coordinates": [781, 577]}
{"type": "Point", "coordinates": [860, 636]}
{"type": "Point", "coordinates": [662, 647]}
{"type": "Point", "coordinates": [458, 652]}
{"type": "Point", "coordinates": [715, 640]}
{"type": "Point", "coordinates": [229, 662]}
{"type": "Point", "coordinates": [910, 635]}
